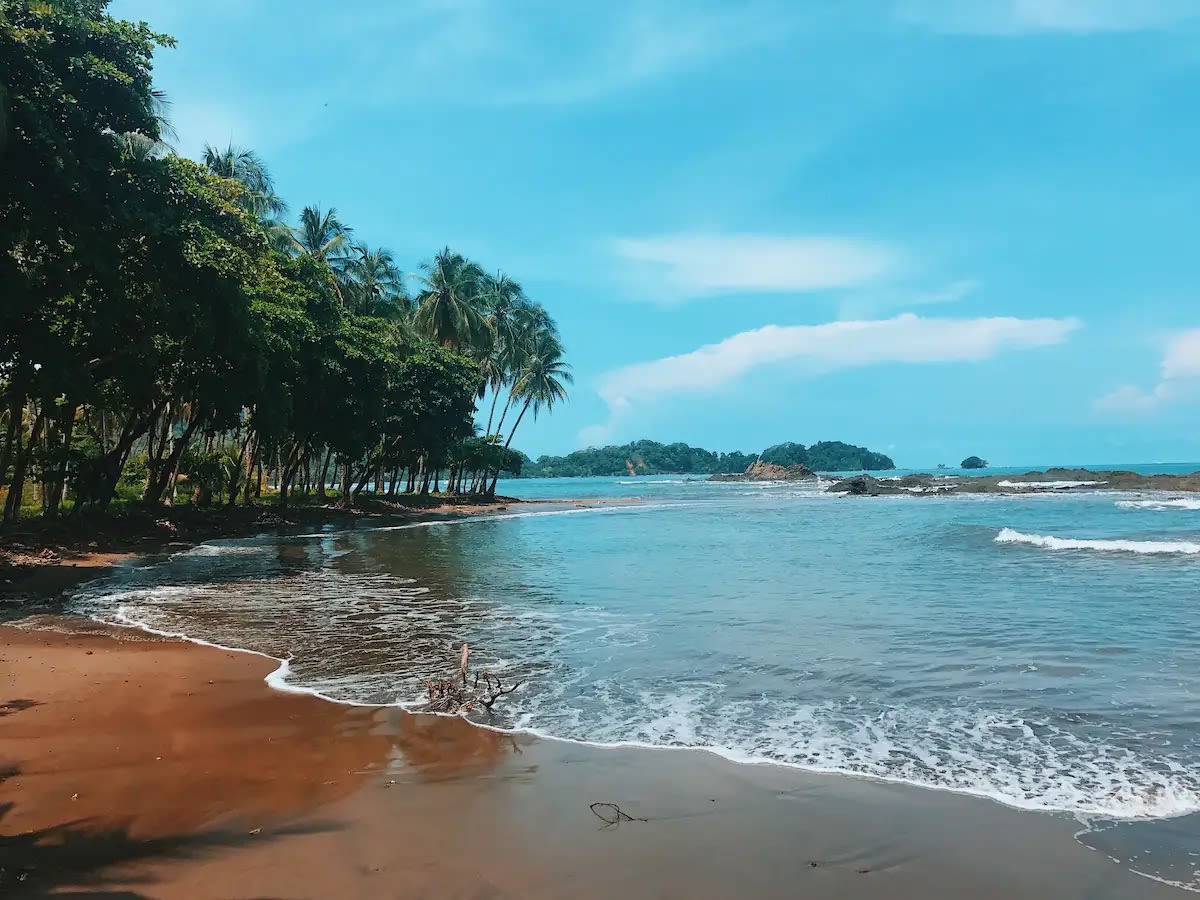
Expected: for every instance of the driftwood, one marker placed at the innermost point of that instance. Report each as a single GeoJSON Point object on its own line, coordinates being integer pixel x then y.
{"type": "Point", "coordinates": [463, 694]}
{"type": "Point", "coordinates": [611, 814]}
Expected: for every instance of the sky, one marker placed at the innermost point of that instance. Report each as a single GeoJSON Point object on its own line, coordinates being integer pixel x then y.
{"type": "Point", "coordinates": [933, 228]}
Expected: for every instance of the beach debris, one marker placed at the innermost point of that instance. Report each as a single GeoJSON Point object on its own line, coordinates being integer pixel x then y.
{"type": "Point", "coordinates": [463, 694]}
{"type": "Point", "coordinates": [611, 814]}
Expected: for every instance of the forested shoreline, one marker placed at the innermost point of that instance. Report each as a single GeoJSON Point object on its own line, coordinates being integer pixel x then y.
{"type": "Point", "coordinates": [653, 458]}
{"type": "Point", "coordinates": [170, 334]}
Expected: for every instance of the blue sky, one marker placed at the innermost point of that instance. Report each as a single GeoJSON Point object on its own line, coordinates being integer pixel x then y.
{"type": "Point", "coordinates": [934, 228]}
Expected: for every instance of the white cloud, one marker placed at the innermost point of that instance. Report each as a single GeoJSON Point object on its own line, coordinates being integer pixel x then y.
{"type": "Point", "coordinates": [835, 345]}
{"type": "Point", "coordinates": [1007, 17]}
{"type": "Point", "coordinates": [1179, 379]}
{"type": "Point", "coordinates": [681, 266]}
{"type": "Point", "coordinates": [1182, 359]}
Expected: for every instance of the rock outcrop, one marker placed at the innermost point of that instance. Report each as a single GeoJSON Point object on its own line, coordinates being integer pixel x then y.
{"type": "Point", "coordinates": [763, 471]}
{"type": "Point", "coordinates": [866, 486]}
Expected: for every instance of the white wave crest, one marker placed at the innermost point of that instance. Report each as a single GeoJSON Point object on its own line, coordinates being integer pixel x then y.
{"type": "Point", "coordinates": [1050, 542]}
{"type": "Point", "coordinates": [221, 549]}
{"type": "Point", "coordinates": [1179, 503]}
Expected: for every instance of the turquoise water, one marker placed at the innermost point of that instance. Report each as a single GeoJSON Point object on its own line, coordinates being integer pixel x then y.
{"type": "Point", "coordinates": [953, 643]}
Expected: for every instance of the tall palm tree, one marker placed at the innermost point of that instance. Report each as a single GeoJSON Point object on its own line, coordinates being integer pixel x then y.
{"type": "Point", "coordinates": [246, 167]}
{"type": "Point", "coordinates": [540, 384]}
{"type": "Point", "coordinates": [543, 379]}
{"type": "Point", "coordinates": [508, 311]}
{"type": "Point", "coordinates": [374, 283]}
{"type": "Point", "coordinates": [450, 307]}
{"type": "Point", "coordinates": [532, 332]}
{"type": "Point", "coordinates": [320, 234]}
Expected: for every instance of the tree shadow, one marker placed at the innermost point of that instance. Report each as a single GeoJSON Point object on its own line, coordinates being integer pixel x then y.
{"type": "Point", "coordinates": [89, 860]}
{"type": "Point", "coordinates": [15, 706]}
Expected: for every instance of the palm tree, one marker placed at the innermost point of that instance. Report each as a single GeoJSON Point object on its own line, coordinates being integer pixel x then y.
{"type": "Point", "coordinates": [450, 306]}
{"type": "Point", "coordinates": [320, 235]}
{"type": "Point", "coordinates": [374, 283]}
{"type": "Point", "coordinates": [508, 311]}
{"type": "Point", "coordinates": [532, 331]}
{"type": "Point", "coordinates": [247, 168]}
{"type": "Point", "coordinates": [133, 145]}
{"type": "Point", "coordinates": [543, 379]}
{"type": "Point", "coordinates": [540, 384]}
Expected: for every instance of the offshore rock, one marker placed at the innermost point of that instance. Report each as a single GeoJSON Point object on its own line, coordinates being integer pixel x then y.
{"type": "Point", "coordinates": [763, 471]}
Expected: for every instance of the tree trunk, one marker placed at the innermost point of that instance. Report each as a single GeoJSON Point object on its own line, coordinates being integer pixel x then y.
{"type": "Point", "coordinates": [57, 487]}
{"type": "Point", "coordinates": [512, 434]}
{"type": "Point", "coordinates": [324, 473]}
{"type": "Point", "coordinates": [16, 409]}
{"type": "Point", "coordinates": [169, 469]}
{"type": "Point", "coordinates": [16, 487]}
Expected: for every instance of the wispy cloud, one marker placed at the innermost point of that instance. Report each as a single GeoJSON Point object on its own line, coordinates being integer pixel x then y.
{"type": "Point", "coordinates": [864, 304]}
{"type": "Point", "coordinates": [539, 53]}
{"type": "Point", "coordinates": [1179, 380]}
{"type": "Point", "coordinates": [475, 53]}
{"type": "Point", "coordinates": [1008, 17]}
{"type": "Point", "coordinates": [904, 339]}
{"type": "Point", "coordinates": [684, 266]}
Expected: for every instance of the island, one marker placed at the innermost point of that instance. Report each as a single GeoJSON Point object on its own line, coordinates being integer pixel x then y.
{"type": "Point", "coordinates": [974, 462]}
{"type": "Point", "coordinates": [647, 457]}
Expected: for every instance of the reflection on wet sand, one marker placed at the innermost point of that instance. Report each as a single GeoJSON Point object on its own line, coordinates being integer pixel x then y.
{"type": "Point", "coordinates": [115, 743]}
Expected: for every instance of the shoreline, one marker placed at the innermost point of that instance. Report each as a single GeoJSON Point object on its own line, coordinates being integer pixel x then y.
{"type": "Point", "coordinates": [52, 557]}
{"type": "Point", "coordinates": [960, 842]}
{"type": "Point", "coordinates": [277, 680]}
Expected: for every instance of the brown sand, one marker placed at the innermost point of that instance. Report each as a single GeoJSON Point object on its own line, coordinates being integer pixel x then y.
{"type": "Point", "coordinates": [145, 768]}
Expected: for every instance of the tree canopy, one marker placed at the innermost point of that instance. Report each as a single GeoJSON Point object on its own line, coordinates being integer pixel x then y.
{"type": "Point", "coordinates": [167, 335]}
{"type": "Point", "coordinates": [653, 458]}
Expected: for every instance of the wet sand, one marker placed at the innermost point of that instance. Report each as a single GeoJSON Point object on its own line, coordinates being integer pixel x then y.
{"type": "Point", "coordinates": [135, 767]}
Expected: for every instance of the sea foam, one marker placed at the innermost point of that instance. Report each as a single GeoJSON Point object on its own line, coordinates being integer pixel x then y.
{"type": "Point", "coordinates": [1178, 503]}
{"type": "Point", "coordinates": [1050, 542]}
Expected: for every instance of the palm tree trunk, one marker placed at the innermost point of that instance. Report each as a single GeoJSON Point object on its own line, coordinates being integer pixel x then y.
{"type": "Point", "coordinates": [511, 435]}
{"type": "Point", "coordinates": [492, 412]}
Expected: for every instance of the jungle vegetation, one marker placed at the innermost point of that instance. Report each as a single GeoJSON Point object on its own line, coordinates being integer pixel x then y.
{"type": "Point", "coordinates": [169, 332]}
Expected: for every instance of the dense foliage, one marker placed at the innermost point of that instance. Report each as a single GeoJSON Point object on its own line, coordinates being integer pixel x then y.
{"type": "Point", "coordinates": [653, 458]}
{"type": "Point", "coordinates": [165, 334]}
{"type": "Point", "coordinates": [973, 462]}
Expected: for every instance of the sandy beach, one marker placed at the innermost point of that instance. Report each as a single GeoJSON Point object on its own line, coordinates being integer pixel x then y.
{"type": "Point", "coordinates": [138, 767]}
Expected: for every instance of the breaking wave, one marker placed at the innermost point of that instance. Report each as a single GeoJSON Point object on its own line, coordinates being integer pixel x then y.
{"type": "Point", "coordinates": [1050, 542]}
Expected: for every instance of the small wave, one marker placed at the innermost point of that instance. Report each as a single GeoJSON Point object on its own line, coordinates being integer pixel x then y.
{"type": "Point", "coordinates": [1180, 503]}
{"type": "Point", "coordinates": [221, 549]}
{"type": "Point", "coordinates": [1050, 542]}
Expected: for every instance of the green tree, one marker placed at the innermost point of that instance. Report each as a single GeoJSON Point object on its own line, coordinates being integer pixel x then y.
{"type": "Point", "coordinates": [450, 306]}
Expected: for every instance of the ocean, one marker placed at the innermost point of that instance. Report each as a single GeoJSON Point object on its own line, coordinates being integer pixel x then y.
{"type": "Point", "coordinates": [1041, 651]}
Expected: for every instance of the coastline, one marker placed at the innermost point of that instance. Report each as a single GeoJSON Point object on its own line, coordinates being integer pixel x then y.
{"type": "Point", "coordinates": [168, 769]}
{"type": "Point", "coordinates": [51, 557]}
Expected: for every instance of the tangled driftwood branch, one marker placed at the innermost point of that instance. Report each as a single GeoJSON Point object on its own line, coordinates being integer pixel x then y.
{"type": "Point", "coordinates": [611, 814]}
{"type": "Point", "coordinates": [461, 695]}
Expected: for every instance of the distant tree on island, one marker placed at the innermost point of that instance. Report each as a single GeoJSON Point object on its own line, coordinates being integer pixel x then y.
{"type": "Point", "coordinates": [974, 462]}
{"type": "Point", "coordinates": [652, 458]}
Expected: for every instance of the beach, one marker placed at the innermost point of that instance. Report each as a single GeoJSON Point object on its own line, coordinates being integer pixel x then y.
{"type": "Point", "coordinates": [141, 767]}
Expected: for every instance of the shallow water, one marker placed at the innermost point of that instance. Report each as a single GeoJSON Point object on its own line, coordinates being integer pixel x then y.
{"type": "Point", "coordinates": [904, 638]}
